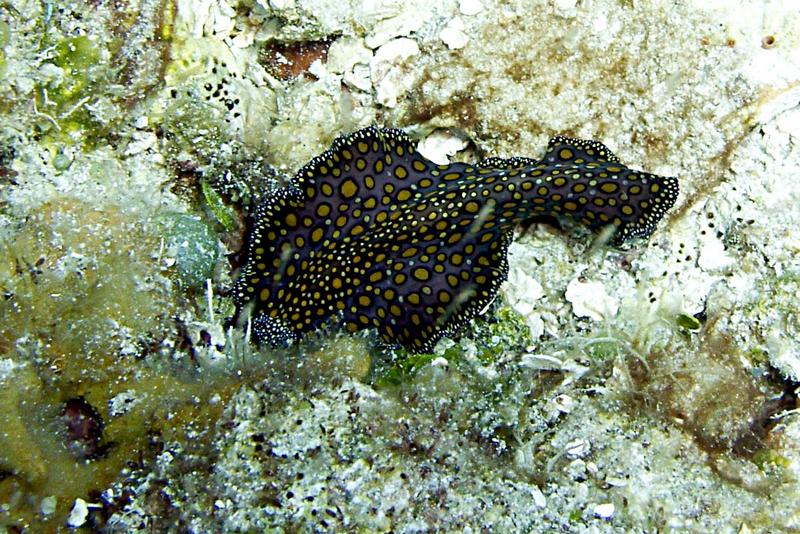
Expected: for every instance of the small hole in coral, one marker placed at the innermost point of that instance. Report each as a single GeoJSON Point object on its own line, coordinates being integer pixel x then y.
{"type": "Point", "coordinates": [768, 41]}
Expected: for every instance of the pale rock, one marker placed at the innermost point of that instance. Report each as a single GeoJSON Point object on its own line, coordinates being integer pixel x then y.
{"type": "Point", "coordinates": [403, 19]}
{"type": "Point", "coordinates": [349, 57]}
{"type": "Point", "coordinates": [440, 145]}
{"type": "Point", "coordinates": [592, 468]}
{"type": "Point", "coordinates": [713, 255]}
{"type": "Point", "coordinates": [121, 403]}
{"type": "Point", "coordinates": [141, 142]}
{"type": "Point", "coordinates": [223, 18]}
{"type": "Point", "coordinates": [564, 403]}
{"type": "Point", "coordinates": [604, 511]}
{"type": "Point", "coordinates": [521, 291]}
{"type": "Point", "coordinates": [279, 4]}
{"type": "Point", "coordinates": [243, 40]}
{"type": "Point", "coordinates": [590, 299]}
{"type": "Point", "coordinates": [78, 514]}
{"type": "Point", "coordinates": [566, 7]}
{"type": "Point", "coordinates": [48, 506]}
{"type": "Point", "coordinates": [558, 406]}
{"type": "Point", "coordinates": [616, 482]}
{"type": "Point", "coordinates": [782, 353]}
{"type": "Point", "coordinates": [389, 69]}
{"type": "Point", "coordinates": [541, 362]}
{"type": "Point", "coordinates": [538, 497]}
{"type": "Point", "coordinates": [470, 7]}
{"type": "Point", "coordinates": [453, 34]}
{"type": "Point", "coordinates": [318, 69]}
{"type": "Point", "coordinates": [577, 448]}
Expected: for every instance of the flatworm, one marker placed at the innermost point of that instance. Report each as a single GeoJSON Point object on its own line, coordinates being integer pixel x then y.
{"type": "Point", "coordinates": [370, 234]}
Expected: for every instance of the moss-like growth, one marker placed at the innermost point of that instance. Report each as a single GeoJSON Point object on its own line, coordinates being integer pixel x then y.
{"type": "Point", "coordinates": [700, 381]}
{"type": "Point", "coordinates": [80, 286]}
{"type": "Point", "coordinates": [501, 331]}
{"type": "Point", "coordinates": [688, 322]}
{"type": "Point", "coordinates": [3, 43]}
{"type": "Point", "coordinates": [84, 299]}
{"type": "Point", "coordinates": [768, 459]}
{"type": "Point", "coordinates": [63, 98]}
{"type": "Point", "coordinates": [223, 213]}
{"type": "Point", "coordinates": [90, 66]}
{"type": "Point", "coordinates": [76, 55]}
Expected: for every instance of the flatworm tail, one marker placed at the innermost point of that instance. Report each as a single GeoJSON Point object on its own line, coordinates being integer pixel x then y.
{"type": "Point", "coordinates": [585, 181]}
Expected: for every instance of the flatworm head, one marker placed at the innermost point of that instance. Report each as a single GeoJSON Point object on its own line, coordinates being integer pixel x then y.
{"type": "Point", "coordinates": [370, 234]}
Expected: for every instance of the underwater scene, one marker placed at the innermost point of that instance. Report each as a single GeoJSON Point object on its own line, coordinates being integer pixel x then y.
{"type": "Point", "coordinates": [399, 266]}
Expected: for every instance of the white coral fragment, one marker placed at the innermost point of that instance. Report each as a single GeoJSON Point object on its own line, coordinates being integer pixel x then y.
{"type": "Point", "coordinates": [604, 511]}
{"type": "Point", "coordinates": [78, 514]}
{"type": "Point", "coordinates": [350, 58]}
{"type": "Point", "coordinates": [394, 19]}
{"type": "Point", "coordinates": [390, 70]}
{"type": "Point", "coordinates": [713, 255]}
{"type": "Point", "coordinates": [521, 291]}
{"type": "Point", "coordinates": [453, 34]}
{"type": "Point", "coordinates": [440, 145]}
{"type": "Point", "coordinates": [590, 299]}
{"type": "Point", "coordinates": [470, 7]}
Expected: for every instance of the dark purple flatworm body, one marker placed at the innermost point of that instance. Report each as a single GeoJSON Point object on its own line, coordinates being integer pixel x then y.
{"type": "Point", "coordinates": [373, 235]}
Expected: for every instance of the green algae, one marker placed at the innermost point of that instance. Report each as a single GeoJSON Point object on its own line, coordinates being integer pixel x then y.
{"type": "Point", "coordinates": [224, 214]}
{"type": "Point", "coordinates": [63, 99]}
{"type": "Point", "coordinates": [688, 322]}
{"type": "Point", "coordinates": [768, 458]}
{"type": "Point", "coordinates": [4, 37]}
{"type": "Point", "coordinates": [89, 67]}
{"type": "Point", "coordinates": [83, 297]}
{"type": "Point", "coordinates": [76, 55]}
{"type": "Point", "coordinates": [401, 368]}
{"type": "Point", "coordinates": [88, 267]}
{"type": "Point", "coordinates": [504, 330]}
{"type": "Point", "coordinates": [499, 332]}
{"type": "Point", "coordinates": [33, 446]}
{"type": "Point", "coordinates": [87, 313]}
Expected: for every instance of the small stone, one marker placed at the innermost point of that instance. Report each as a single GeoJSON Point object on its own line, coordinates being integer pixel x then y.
{"type": "Point", "coordinates": [389, 69]}
{"type": "Point", "coordinates": [566, 6]}
{"type": "Point", "coordinates": [564, 403]}
{"type": "Point", "coordinates": [121, 403]}
{"type": "Point", "coordinates": [48, 506]}
{"type": "Point", "coordinates": [541, 362]}
{"type": "Point", "coordinates": [193, 246]}
{"type": "Point", "coordinates": [350, 58]}
{"type": "Point", "coordinates": [521, 291]}
{"type": "Point", "coordinates": [713, 256]}
{"type": "Point", "coordinates": [589, 299]}
{"type": "Point", "coordinates": [440, 145]}
{"type": "Point", "coordinates": [604, 511]}
{"type": "Point", "coordinates": [470, 7]}
{"type": "Point", "coordinates": [616, 482]}
{"type": "Point", "coordinates": [538, 498]}
{"type": "Point", "coordinates": [281, 4]}
{"type": "Point", "coordinates": [78, 514]}
{"type": "Point", "coordinates": [405, 21]}
{"type": "Point", "coordinates": [453, 34]}
{"type": "Point", "coordinates": [577, 448]}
